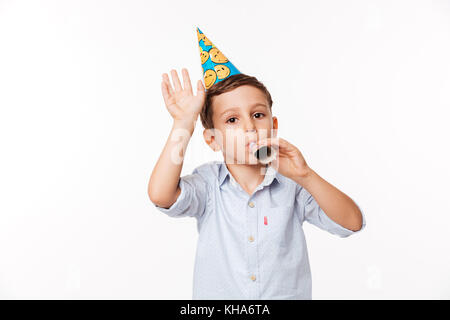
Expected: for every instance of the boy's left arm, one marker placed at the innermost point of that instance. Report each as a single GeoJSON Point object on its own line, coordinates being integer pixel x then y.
{"type": "Point", "coordinates": [337, 205]}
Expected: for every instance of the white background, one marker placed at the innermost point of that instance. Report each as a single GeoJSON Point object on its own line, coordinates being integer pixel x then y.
{"type": "Point", "coordinates": [362, 88]}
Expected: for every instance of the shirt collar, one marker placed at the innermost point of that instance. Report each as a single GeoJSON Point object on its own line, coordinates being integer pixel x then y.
{"type": "Point", "coordinates": [271, 174]}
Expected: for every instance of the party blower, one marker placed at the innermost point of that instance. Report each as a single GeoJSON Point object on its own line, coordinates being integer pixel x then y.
{"type": "Point", "coordinates": [264, 154]}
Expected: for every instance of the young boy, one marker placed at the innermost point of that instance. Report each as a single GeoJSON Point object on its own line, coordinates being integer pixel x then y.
{"type": "Point", "coordinates": [251, 243]}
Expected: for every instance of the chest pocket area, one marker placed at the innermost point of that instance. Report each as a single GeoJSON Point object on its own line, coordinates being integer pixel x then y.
{"type": "Point", "coordinates": [277, 225]}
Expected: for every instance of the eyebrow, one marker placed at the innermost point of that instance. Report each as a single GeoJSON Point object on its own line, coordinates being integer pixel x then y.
{"type": "Point", "coordinates": [237, 108]}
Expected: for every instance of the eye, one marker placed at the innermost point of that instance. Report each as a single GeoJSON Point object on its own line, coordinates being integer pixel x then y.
{"type": "Point", "coordinates": [262, 114]}
{"type": "Point", "coordinates": [228, 121]}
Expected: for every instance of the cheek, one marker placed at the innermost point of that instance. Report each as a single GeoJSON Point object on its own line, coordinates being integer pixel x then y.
{"type": "Point", "coordinates": [233, 139]}
{"type": "Point", "coordinates": [267, 122]}
{"type": "Point", "coordinates": [265, 128]}
{"type": "Point", "coordinates": [228, 138]}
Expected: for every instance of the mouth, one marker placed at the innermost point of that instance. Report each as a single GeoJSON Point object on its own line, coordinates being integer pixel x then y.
{"type": "Point", "coordinates": [249, 145]}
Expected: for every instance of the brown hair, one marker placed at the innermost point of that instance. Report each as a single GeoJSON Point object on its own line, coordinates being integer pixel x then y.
{"type": "Point", "coordinates": [226, 85]}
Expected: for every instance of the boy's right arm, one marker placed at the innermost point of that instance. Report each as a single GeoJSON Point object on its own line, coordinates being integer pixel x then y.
{"type": "Point", "coordinates": [184, 107]}
{"type": "Point", "coordinates": [163, 188]}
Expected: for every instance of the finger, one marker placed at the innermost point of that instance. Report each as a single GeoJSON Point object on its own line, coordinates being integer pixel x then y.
{"type": "Point", "coordinates": [165, 92]}
{"type": "Point", "coordinates": [167, 81]}
{"type": "Point", "coordinates": [176, 80]}
{"type": "Point", "coordinates": [277, 141]}
{"type": "Point", "coordinates": [273, 143]}
{"type": "Point", "coordinates": [285, 144]}
{"type": "Point", "coordinates": [186, 80]}
{"type": "Point", "coordinates": [201, 90]}
{"type": "Point", "coordinates": [280, 144]}
{"type": "Point", "coordinates": [275, 163]}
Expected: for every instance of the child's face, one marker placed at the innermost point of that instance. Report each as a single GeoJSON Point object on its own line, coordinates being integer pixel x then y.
{"type": "Point", "coordinates": [240, 116]}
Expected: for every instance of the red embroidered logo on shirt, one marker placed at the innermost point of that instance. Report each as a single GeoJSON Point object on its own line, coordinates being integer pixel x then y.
{"type": "Point", "coordinates": [265, 220]}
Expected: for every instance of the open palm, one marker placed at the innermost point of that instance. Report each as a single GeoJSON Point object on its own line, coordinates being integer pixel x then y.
{"type": "Point", "coordinates": [180, 102]}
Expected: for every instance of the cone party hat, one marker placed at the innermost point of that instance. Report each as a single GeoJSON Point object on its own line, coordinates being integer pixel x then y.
{"type": "Point", "coordinates": [216, 67]}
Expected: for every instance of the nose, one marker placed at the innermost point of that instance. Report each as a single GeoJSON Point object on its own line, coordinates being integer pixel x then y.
{"type": "Point", "coordinates": [249, 126]}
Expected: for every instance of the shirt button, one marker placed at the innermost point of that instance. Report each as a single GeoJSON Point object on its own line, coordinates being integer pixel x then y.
{"type": "Point", "coordinates": [250, 239]}
{"type": "Point", "coordinates": [251, 204]}
{"type": "Point", "coordinates": [253, 277]}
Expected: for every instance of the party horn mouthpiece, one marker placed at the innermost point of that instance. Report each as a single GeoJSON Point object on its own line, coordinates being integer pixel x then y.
{"type": "Point", "coordinates": [264, 154]}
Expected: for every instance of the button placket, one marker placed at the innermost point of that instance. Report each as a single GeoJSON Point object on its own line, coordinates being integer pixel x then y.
{"type": "Point", "coordinates": [251, 204]}
{"type": "Point", "coordinates": [252, 249]}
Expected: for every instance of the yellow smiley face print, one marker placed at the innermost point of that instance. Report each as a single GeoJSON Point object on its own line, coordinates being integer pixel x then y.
{"type": "Point", "coordinates": [217, 56]}
{"type": "Point", "coordinates": [222, 71]}
{"type": "Point", "coordinates": [204, 55]}
{"type": "Point", "coordinates": [206, 41]}
{"type": "Point", "coordinates": [210, 77]}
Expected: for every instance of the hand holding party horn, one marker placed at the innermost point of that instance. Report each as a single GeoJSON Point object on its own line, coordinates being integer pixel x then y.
{"type": "Point", "coordinates": [283, 157]}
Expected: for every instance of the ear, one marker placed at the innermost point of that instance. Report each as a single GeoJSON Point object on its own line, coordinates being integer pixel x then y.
{"type": "Point", "coordinates": [275, 125]}
{"type": "Point", "coordinates": [208, 135]}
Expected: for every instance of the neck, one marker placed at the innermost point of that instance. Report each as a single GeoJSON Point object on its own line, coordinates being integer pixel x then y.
{"type": "Point", "coordinates": [249, 176]}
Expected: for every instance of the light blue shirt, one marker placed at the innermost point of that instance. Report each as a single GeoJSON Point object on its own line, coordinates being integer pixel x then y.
{"type": "Point", "coordinates": [250, 246]}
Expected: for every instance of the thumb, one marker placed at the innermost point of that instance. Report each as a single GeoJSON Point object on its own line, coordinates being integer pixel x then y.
{"type": "Point", "coordinates": [275, 163]}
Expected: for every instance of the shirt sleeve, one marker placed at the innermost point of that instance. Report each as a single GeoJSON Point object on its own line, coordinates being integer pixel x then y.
{"type": "Point", "coordinates": [192, 200]}
{"type": "Point", "coordinates": [311, 211]}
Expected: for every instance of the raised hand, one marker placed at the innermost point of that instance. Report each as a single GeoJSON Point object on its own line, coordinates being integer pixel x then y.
{"type": "Point", "coordinates": [182, 105]}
